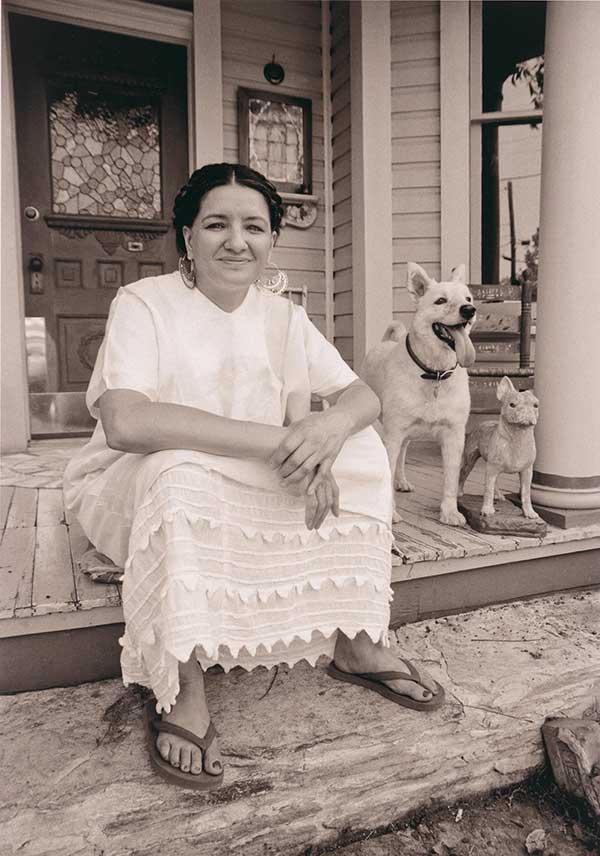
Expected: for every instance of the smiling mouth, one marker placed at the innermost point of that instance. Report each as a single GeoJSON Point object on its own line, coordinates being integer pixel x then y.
{"type": "Point", "coordinates": [442, 331]}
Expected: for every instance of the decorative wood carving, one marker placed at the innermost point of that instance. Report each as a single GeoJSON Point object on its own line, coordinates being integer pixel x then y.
{"type": "Point", "coordinates": [68, 273]}
{"type": "Point", "coordinates": [110, 232]}
{"type": "Point", "coordinates": [110, 274]}
{"type": "Point", "coordinates": [88, 349]}
{"type": "Point", "coordinates": [300, 209]}
{"type": "Point", "coordinates": [150, 269]}
{"type": "Point", "coordinates": [79, 338]}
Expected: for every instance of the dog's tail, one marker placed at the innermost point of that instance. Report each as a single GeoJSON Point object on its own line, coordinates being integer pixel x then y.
{"type": "Point", "coordinates": [394, 332]}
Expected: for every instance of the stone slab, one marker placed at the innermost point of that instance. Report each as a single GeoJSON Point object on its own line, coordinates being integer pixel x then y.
{"type": "Point", "coordinates": [506, 521]}
{"type": "Point", "coordinates": [567, 518]}
{"type": "Point", "coordinates": [311, 758]}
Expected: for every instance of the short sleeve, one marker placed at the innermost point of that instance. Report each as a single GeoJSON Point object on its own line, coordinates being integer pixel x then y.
{"type": "Point", "coordinates": [128, 356]}
{"type": "Point", "coordinates": [327, 370]}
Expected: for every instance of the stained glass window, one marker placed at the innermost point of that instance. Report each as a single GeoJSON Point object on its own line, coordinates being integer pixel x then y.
{"type": "Point", "coordinates": [276, 140]}
{"type": "Point", "coordinates": [105, 150]}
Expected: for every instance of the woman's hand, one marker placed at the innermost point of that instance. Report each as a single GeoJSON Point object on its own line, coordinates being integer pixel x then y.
{"type": "Point", "coordinates": [321, 494]}
{"type": "Point", "coordinates": [312, 442]}
{"type": "Point", "coordinates": [321, 498]}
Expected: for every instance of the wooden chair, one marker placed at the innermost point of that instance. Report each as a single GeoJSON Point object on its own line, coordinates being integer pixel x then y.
{"type": "Point", "coordinates": [503, 341]}
{"type": "Point", "coordinates": [298, 294]}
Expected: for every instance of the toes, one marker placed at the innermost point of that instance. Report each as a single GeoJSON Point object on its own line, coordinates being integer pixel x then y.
{"type": "Point", "coordinates": [426, 681]}
{"type": "Point", "coordinates": [185, 761]}
{"type": "Point", "coordinates": [163, 744]}
{"type": "Point", "coordinates": [175, 756]}
{"type": "Point", "coordinates": [196, 762]}
{"type": "Point", "coordinates": [212, 761]}
{"type": "Point", "coordinates": [410, 689]}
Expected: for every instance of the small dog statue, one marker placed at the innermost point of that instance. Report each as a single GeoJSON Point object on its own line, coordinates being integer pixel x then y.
{"type": "Point", "coordinates": [506, 446]}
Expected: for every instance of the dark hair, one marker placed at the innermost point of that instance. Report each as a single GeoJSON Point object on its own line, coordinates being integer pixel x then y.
{"type": "Point", "coordinates": [189, 198]}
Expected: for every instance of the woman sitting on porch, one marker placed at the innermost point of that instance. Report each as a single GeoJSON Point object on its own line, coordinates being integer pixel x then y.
{"type": "Point", "coordinates": [252, 531]}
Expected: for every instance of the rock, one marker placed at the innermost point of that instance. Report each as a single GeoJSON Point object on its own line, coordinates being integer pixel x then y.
{"type": "Point", "coordinates": [508, 519]}
{"type": "Point", "coordinates": [536, 841]}
{"type": "Point", "coordinates": [312, 761]}
{"type": "Point", "coordinates": [573, 747]}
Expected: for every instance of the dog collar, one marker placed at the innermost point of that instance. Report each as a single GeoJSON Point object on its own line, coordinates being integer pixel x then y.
{"type": "Point", "coordinates": [430, 374]}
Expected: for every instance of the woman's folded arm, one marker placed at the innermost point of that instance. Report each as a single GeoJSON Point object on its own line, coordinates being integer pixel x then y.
{"type": "Point", "coordinates": [133, 423]}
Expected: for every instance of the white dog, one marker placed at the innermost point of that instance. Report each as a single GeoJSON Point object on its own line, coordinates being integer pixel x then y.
{"type": "Point", "coordinates": [421, 379]}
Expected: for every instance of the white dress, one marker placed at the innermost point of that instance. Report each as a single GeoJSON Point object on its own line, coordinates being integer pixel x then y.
{"type": "Point", "coordinates": [216, 553]}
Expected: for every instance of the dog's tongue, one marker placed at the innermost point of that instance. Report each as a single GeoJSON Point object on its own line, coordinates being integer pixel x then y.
{"type": "Point", "coordinates": [465, 352]}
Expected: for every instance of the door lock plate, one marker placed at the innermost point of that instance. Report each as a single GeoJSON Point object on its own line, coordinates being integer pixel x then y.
{"type": "Point", "coordinates": [36, 278]}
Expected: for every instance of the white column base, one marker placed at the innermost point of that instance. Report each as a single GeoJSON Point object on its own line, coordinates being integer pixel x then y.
{"type": "Point", "coordinates": [555, 497]}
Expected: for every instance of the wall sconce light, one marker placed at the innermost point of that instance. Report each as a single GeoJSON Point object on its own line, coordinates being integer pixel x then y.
{"type": "Point", "coordinates": [274, 72]}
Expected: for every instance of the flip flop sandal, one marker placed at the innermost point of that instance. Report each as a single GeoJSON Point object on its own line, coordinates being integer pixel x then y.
{"type": "Point", "coordinates": [373, 681]}
{"type": "Point", "coordinates": [155, 726]}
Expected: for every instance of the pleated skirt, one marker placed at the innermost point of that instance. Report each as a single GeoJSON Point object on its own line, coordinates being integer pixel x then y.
{"type": "Point", "coordinates": [230, 571]}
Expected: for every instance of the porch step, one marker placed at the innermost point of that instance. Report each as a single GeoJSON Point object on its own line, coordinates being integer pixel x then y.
{"type": "Point", "coordinates": [308, 758]}
{"type": "Point", "coordinates": [59, 628]}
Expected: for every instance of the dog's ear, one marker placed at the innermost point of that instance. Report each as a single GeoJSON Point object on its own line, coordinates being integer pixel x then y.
{"type": "Point", "coordinates": [417, 280]}
{"type": "Point", "coordinates": [505, 386]}
{"type": "Point", "coordinates": [459, 274]}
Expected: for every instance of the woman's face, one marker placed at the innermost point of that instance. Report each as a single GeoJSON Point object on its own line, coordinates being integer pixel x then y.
{"type": "Point", "coordinates": [230, 239]}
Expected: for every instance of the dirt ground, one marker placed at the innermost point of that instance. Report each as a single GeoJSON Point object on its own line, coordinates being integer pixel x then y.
{"type": "Point", "coordinates": [496, 825]}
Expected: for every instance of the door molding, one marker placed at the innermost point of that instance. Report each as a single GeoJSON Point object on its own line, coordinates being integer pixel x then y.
{"type": "Point", "coordinates": [15, 430]}
{"type": "Point", "coordinates": [132, 18]}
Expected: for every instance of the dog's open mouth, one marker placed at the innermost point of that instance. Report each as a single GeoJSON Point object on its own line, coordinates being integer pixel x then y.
{"type": "Point", "coordinates": [457, 338]}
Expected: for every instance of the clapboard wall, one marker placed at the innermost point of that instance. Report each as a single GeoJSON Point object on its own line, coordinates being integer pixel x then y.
{"type": "Point", "coordinates": [341, 170]}
{"type": "Point", "coordinates": [415, 143]}
{"type": "Point", "coordinates": [251, 34]}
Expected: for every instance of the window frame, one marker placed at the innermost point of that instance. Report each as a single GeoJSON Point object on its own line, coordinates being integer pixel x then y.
{"type": "Point", "coordinates": [244, 96]}
{"type": "Point", "coordinates": [461, 65]}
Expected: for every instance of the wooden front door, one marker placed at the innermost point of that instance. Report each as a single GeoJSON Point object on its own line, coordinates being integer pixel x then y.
{"type": "Point", "coordinates": [102, 149]}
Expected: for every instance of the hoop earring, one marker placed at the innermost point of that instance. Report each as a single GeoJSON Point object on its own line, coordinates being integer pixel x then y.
{"type": "Point", "coordinates": [187, 271]}
{"type": "Point", "coordinates": [275, 284]}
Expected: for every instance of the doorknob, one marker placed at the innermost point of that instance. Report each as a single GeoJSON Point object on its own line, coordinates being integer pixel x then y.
{"type": "Point", "coordinates": [32, 213]}
{"type": "Point", "coordinates": [36, 282]}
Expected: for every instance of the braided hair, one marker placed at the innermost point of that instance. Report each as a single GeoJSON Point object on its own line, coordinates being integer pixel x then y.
{"type": "Point", "coordinates": [189, 198]}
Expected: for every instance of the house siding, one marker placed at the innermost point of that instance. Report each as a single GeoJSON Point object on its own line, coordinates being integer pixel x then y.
{"type": "Point", "coordinates": [415, 143]}
{"type": "Point", "coordinates": [251, 33]}
{"type": "Point", "coordinates": [341, 171]}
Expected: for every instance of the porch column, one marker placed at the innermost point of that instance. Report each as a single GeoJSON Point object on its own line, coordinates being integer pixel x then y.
{"type": "Point", "coordinates": [371, 137]}
{"type": "Point", "coordinates": [206, 108]}
{"type": "Point", "coordinates": [567, 380]}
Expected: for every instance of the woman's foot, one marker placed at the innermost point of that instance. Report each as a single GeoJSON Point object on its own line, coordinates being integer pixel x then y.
{"type": "Point", "coordinates": [361, 654]}
{"type": "Point", "coordinates": [191, 712]}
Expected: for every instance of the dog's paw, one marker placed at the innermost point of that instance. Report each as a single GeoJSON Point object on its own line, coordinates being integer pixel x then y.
{"type": "Point", "coordinates": [531, 514]}
{"type": "Point", "coordinates": [404, 485]}
{"type": "Point", "coordinates": [452, 517]}
{"type": "Point", "coordinates": [396, 517]}
{"type": "Point", "coordinates": [500, 497]}
{"type": "Point", "coordinates": [488, 510]}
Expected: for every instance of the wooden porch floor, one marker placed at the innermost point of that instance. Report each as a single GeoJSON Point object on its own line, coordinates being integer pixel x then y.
{"type": "Point", "coordinates": [43, 586]}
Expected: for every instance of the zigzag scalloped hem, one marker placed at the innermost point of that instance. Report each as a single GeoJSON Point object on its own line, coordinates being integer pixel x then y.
{"type": "Point", "coordinates": [254, 594]}
{"type": "Point", "coordinates": [134, 672]}
{"type": "Point", "coordinates": [140, 541]}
